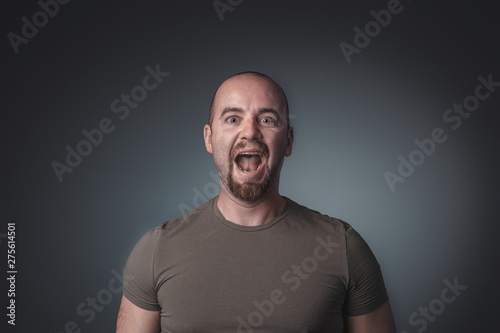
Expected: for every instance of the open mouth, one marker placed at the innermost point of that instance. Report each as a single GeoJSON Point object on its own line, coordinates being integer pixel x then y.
{"type": "Point", "coordinates": [248, 161]}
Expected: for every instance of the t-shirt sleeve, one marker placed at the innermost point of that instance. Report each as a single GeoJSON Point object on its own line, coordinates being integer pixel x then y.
{"type": "Point", "coordinates": [366, 288]}
{"type": "Point", "coordinates": [139, 285]}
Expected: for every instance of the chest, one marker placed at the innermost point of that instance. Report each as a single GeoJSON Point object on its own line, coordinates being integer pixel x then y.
{"type": "Point", "coordinates": [253, 286]}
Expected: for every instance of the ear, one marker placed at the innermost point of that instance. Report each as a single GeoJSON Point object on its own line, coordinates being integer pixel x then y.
{"type": "Point", "coordinates": [207, 135]}
{"type": "Point", "coordinates": [289, 137]}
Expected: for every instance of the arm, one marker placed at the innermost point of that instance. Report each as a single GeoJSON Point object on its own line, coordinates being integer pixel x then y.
{"type": "Point", "coordinates": [379, 320]}
{"type": "Point", "coordinates": [133, 319]}
{"type": "Point", "coordinates": [367, 308]}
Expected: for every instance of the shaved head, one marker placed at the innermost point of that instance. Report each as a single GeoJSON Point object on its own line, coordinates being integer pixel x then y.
{"type": "Point", "coordinates": [250, 75]}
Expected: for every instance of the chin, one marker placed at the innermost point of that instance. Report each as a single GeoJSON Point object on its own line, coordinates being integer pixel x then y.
{"type": "Point", "coordinates": [248, 191]}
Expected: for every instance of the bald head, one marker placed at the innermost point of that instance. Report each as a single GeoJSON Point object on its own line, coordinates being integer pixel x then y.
{"type": "Point", "coordinates": [274, 88]}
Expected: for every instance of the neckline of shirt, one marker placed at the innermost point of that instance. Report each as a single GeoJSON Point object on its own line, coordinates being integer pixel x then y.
{"type": "Point", "coordinates": [240, 227]}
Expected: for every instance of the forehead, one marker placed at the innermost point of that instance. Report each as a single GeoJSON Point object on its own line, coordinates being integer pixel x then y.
{"type": "Point", "coordinates": [249, 92]}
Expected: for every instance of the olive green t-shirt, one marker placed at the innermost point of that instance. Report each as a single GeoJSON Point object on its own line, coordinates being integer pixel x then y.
{"type": "Point", "coordinates": [301, 272]}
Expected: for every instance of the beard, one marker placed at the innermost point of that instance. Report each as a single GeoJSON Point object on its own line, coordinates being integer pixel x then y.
{"type": "Point", "coordinates": [248, 191]}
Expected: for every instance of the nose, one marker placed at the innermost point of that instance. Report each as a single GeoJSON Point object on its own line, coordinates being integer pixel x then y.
{"type": "Point", "coordinates": [250, 130]}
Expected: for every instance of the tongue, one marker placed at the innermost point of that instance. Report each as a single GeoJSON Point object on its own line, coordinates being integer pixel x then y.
{"type": "Point", "coordinates": [249, 163]}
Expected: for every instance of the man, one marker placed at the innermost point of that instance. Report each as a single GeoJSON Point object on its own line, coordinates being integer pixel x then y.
{"type": "Point", "coordinates": [251, 260]}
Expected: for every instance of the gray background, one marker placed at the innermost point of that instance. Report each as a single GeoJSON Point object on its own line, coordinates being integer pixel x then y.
{"type": "Point", "coordinates": [352, 121]}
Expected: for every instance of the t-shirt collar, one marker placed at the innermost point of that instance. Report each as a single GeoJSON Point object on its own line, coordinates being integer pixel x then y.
{"type": "Point", "coordinates": [240, 227]}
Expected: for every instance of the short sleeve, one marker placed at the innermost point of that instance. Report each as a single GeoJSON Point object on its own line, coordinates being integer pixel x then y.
{"type": "Point", "coordinates": [366, 288]}
{"type": "Point", "coordinates": [139, 285]}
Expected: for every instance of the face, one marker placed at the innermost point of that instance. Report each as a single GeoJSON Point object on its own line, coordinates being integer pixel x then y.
{"type": "Point", "coordinates": [249, 136]}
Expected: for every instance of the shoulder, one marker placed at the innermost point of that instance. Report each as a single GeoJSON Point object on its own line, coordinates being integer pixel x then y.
{"type": "Point", "coordinates": [175, 228]}
{"type": "Point", "coordinates": [187, 220]}
{"type": "Point", "coordinates": [343, 232]}
{"type": "Point", "coordinates": [312, 216]}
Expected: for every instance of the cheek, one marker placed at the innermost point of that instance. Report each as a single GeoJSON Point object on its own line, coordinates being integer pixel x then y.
{"type": "Point", "coordinates": [221, 149]}
{"type": "Point", "coordinates": [278, 149]}
{"type": "Point", "coordinates": [281, 143]}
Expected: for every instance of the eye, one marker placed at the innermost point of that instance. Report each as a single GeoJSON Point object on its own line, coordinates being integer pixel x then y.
{"type": "Point", "coordinates": [267, 120]}
{"type": "Point", "coordinates": [231, 120]}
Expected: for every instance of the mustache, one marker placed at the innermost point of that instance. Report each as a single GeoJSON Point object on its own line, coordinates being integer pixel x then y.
{"type": "Point", "coordinates": [261, 147]}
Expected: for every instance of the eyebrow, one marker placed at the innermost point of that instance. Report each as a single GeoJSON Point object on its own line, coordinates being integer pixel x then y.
{"type": "Point", "coordinates": [230, 109]}
{"type": "Point", "coordinates": [239, 110]}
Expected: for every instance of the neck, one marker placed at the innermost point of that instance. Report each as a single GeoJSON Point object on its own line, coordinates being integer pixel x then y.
{"type": "Point", "coordinates": [250, 214]}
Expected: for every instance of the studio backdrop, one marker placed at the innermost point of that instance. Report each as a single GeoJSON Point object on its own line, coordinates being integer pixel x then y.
{"type": "Point", "coordinates": [395, 106]}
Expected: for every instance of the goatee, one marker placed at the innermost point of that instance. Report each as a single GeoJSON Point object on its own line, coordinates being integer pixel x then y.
{"type": "Point", "coordinates": [248, 191]}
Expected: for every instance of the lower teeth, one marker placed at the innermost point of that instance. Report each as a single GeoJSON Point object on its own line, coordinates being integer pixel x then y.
{"type": "Point", "coordinates": [246, 171]}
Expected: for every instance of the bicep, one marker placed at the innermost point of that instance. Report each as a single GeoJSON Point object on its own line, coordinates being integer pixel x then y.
{"type": "Point", "coordinates": [365, 285]}
{"type": "Point", "coordinates": [133, 319]}
{"type": "Point", "coordinates": [379, 320]}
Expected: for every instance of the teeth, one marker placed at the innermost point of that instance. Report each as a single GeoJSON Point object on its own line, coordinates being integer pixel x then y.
{"type": "Point", "coordinates": [248, 171]}
{"type": "Point", "coordinates": [249, 154]}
